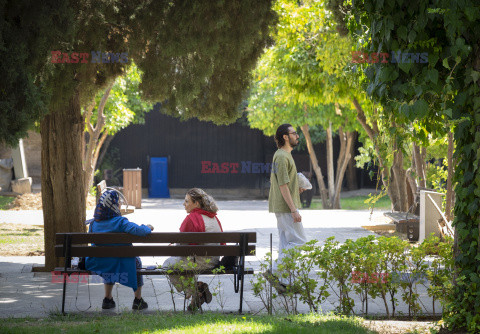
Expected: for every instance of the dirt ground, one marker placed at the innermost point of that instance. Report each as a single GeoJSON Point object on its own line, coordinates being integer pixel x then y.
{"type": "Point", "coordinates": [26, 240]}
{"type": "Point", "coordinates": [21, 240]}
{"type": "Point", "coordinates": [397, 327]}
{"type": "Point", "coordinates": [33, 201]}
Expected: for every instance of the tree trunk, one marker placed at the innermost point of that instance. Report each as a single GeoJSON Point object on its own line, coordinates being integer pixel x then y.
{"type": "Point", "coordinates": [372, 132]}
{"type": "Point", "coordinates": [451, 170]}
{"type": "Point", "coordinates": [351, 172]}
{"type": "Point", "coordinates": [316, 167]}
{"type": "Point", "coordinates": [412, 183]}
{"type": "Point", "coordinates": [96, 139]}
{"type": "Point", "coordinates": [343, 162]}
{"type": "Point", "coordinates": [104, 150]}
{"type": "Point", "coordinates": [420, 166]}
{"type": "Point", "coordinates": [343, 141]}
{"type": "Point", "coordinates": [62, 175]}
{"type": "Point", "coordinates": [399, 182]}
{"type": "Point", "coordinates": [330, 171]}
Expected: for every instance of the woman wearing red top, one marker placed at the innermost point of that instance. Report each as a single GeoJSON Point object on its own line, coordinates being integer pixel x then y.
{"type": "Point", "coordinates": [202, 217]}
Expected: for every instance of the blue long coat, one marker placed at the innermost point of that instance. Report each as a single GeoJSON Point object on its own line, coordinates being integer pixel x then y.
{"type": "Point", "coordinates": [116, 269]}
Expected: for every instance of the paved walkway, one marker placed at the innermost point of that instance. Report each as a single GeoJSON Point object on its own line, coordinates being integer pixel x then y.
{"type": "Point", "coordinates": [24, 293]}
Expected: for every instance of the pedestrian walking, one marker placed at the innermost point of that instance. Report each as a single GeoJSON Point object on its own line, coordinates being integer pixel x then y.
{"type": "Point", "coordinates": [284, 200]}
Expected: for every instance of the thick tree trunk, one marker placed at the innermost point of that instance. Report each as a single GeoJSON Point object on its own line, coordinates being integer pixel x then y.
{"type": "Point", "coordinates": [316, 167]}
{"type": "Point", "coordinates": [62, 175]}
{"type": "Point", "coordinates": [451, 170]}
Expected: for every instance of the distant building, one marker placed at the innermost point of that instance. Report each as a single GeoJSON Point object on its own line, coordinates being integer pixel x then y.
{"type": "Point", "coordinates": [196, 151]}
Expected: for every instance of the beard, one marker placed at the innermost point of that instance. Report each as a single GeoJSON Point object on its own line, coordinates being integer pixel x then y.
{"type": "Point", "coordinates": [293, 142]}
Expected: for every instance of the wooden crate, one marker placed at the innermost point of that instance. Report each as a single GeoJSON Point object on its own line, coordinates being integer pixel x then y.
{"type": "Point", "coordinates": [132, 187]}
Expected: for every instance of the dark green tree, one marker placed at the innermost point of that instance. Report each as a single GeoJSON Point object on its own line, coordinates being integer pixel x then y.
{"type": "Point", "coordinates": [444, 89]}
{"type": "Point", "coordinates": [196, 57]}
{"type": "Point", "coordinates": [27, 34]}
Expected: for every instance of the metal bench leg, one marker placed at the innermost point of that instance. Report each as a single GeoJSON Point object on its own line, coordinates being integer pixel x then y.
{"type": "Point", "coordinates": [241, 293]}
{"type": "Point", "coordinates": [241, 276]}
{"type": "Point", "coordinates": [64, 291]}
{"type": "Point", "coordinates": [67, 244]}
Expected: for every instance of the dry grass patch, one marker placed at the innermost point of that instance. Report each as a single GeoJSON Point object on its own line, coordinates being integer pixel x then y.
{"type": "Point", "coordinates": [33, 201]}
{"type": "Point", "coordinates": [21, 240]}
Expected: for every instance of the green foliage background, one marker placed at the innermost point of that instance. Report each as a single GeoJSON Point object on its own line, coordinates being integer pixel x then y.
{"type": "Point", "coordinates": [436, 95]}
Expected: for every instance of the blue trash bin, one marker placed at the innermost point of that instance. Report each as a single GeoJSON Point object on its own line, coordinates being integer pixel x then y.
{"type": "Point", "coordinates": [158, 178]}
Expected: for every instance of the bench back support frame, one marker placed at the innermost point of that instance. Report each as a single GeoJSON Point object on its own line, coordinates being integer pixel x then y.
{"type": "Point", "coordinates": [66, 251]}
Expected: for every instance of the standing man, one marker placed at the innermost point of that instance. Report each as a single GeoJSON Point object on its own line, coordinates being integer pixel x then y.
{"type": "Point", "coordinates": [284, 197]}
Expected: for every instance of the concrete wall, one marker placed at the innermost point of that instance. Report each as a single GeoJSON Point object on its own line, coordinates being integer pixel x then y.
{"type": "Point", "coordinates": [429, 215]}
{"type": "Point", "coordinates": [32, 146]}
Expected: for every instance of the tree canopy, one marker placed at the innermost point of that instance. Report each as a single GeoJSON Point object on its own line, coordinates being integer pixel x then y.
{"type": "Point", "coordinates": [196, 57]}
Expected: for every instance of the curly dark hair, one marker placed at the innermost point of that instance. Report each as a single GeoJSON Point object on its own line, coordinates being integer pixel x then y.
{"type": "Point", "coordinates": [281, 131]}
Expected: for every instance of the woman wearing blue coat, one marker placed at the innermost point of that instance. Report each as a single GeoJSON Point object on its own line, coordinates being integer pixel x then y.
{"type": "Point", "coordinates": [108, 219]}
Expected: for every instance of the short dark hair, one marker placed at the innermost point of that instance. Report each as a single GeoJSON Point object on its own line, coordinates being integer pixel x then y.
{"type": "Point", "coordinates": [281, 131]}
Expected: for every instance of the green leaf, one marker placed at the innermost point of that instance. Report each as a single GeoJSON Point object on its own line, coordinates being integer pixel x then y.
{"type": "Point", "coordinates": [475, 75]}
{"type": "Point", "coordinates": [411, 36]}
{"type": "Point", "coordinates": [420, 108]}
{"type": "Point", "coordinates": [445, 63]}
{"type": "Point", "coordinates": [388, 74]}
{"type": "Point", "coordinates": [405, 67]}
{"type": "Point", "coordinates": [402, 33]}
{"type": "Point", "coordinates": [432, 75]}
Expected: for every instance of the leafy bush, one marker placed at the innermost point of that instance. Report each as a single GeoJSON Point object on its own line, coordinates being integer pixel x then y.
{"type": "Point", "coordinates": [370, 267]}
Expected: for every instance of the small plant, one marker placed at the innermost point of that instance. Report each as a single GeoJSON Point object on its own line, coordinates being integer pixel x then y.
{"type": "Point", "coordinates": [218, 288]}
{"type": "Point", "coordinates": [365, 261]}
{"type": "Point", "coordinates": [440, 269]}
{"type": "Point", "coordinates": [261, 287]}
{"type": "Point", "coordinates": [417, 266]}
{"type": "Point", "coordinates": [311, 291]}
{"type": "Point", "coordinates": [335, 260]}
{"type": "Point", "coordinates": [182, 276]}
{"type": "Point", "coordinates": [391, 254]}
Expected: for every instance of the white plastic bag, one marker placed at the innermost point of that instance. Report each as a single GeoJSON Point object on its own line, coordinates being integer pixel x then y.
{"type": "Point", "coordinates": [303, 182]}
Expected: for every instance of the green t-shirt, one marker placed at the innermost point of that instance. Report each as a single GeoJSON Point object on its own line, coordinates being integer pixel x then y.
{"type": "Point", "coordinates": [284, 171]}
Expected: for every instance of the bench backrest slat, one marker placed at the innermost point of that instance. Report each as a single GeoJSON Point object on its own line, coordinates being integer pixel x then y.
{"type": "Point", "coordinates": [173, 237]}
{"type": "Point", "coordinates": [132, 251]}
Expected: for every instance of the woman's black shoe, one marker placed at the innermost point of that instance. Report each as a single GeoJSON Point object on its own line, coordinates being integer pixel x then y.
{"type": "Point", "coordinates": [108, 303]}
{"type": "Point", "coordinates": [139, 304]}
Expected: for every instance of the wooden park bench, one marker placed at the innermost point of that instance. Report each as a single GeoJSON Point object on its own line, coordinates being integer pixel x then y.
{"type": "Point", "coordinates": [238, 244]}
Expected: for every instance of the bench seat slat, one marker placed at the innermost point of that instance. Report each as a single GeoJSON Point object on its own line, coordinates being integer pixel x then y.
{"type": "Point", "coordinates": [247, 271]}
{"type": "Point", "coordinates": [132, 251]}
{"type": "Point", "coordinates": [157, 237]}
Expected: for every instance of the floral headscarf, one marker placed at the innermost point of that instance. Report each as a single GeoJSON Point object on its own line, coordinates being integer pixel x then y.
{"type": "Point", "coordinates": [108, 206]}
